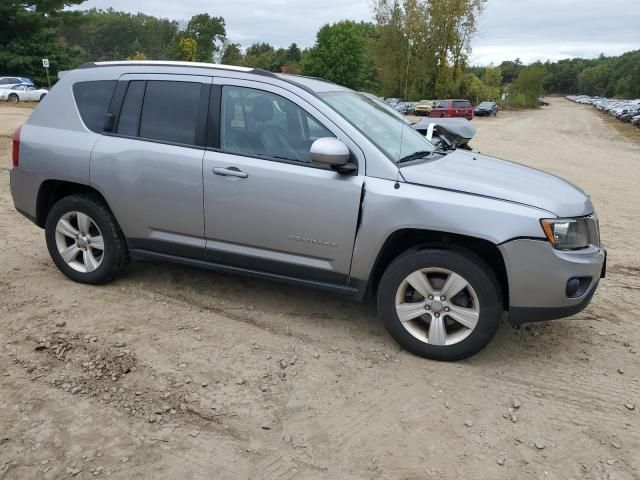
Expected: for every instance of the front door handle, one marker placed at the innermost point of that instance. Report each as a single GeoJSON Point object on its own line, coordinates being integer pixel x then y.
{"type": "Point", "coordinates": [230, 172]}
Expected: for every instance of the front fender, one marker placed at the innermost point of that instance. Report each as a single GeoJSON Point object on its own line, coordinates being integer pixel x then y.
{"type": "Point", "coordinates": [386, 209]}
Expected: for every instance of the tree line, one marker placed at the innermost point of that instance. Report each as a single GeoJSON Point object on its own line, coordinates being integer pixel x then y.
{"type": "Point", "coordinates": [413, 49]}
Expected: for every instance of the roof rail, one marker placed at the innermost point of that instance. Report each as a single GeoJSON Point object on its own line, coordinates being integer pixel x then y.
{"type": "Point", "coordinates": [165, 63]}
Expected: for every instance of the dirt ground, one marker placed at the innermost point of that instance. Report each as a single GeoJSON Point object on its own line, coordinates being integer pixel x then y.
{"type": "Point", "coordinates": [172, 372]}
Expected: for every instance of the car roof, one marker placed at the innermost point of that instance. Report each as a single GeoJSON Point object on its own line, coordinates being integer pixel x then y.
{"type": "Point", "coordinates": [315, 85]}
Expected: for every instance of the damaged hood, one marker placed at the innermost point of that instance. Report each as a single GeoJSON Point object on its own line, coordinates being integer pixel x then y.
{"type": "Point", "coordinates": [486, 176]}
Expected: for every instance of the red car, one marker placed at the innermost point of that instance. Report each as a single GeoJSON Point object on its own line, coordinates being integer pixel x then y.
{"type": "Point", "coordinates": [452, 108]}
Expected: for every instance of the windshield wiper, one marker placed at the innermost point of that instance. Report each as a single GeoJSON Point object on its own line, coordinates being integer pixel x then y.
{"type": "Point", "coordinates": [419, 155]}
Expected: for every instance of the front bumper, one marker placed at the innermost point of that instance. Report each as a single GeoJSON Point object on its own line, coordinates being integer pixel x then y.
{"type": "Point", "coordinates": [538, 275]}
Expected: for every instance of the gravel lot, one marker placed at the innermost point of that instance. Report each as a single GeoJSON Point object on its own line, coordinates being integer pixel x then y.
{"type": "Point", "coordinates": [172, 372]}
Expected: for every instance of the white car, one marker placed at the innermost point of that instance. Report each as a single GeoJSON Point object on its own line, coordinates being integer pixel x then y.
{"type": "Point", "coordinates": [9, 82]}
{"type": "Point", "coordinates": [23, 93]}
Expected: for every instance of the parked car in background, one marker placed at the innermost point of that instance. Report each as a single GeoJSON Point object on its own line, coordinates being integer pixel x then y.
{"type": "Point", "coordinates": [10, 82]}
{"type": "Point", "coordinates": [542, 102]}
{"type": "Point", "coordinates": [630, 112]}
{"type": "Point", "coordinates": [452, 108]}
{"type": "Point", "coordinates": [405, 108]}
{"type": "Point", "coordinates": [393, 101]}
{"type": "Point", "coordinates": [486, 109]}
{"type": "Point", "coordinates": [423, 108]}
{"type": "Point", "coordinates": [385, 106]}
{"type": "Point", "coordinates": [23, 93]}
{"type": "Point", "coordinates": [625, 110]}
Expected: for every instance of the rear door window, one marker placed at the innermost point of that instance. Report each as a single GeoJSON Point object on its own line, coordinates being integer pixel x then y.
{"type": "Point", "coordinates": [170, 111]}
{"type": "Point", "coordinates": [129, 122]}
{"type": "Point", "coordinates": [92, 99]}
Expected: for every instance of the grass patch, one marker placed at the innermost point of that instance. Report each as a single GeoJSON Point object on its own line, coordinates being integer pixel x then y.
{"type": "Point", "coordinates": [627, 130]}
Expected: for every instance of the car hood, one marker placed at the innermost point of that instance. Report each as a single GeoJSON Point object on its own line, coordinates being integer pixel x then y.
{"type": "Point", "coordinates": [486, 176]}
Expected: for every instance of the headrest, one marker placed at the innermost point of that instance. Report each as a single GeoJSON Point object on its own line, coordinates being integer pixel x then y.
{"type": "Point", "coordinates": [262, 108]}
{"type": "Point", "coordinates": [230, 109]}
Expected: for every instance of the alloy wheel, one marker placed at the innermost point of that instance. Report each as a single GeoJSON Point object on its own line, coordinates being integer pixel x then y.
{"type": "Point", "coordinates": [437, 306]}
{"type": "Point", "coordinates": [79, 242]}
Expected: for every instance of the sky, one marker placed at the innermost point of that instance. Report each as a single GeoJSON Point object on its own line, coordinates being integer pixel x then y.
{"type": "Point", "coordinates": [508, 29]}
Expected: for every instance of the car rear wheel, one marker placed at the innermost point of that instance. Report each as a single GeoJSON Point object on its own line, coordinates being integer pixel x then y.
{"type": "Point", "coordinates": [84, 240]}
{"type": "Point", "coordinates": [13, 97]}
{"type": "Point", "coordinates": [440, 304]}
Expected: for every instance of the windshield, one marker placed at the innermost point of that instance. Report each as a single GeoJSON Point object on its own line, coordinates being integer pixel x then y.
{"type": "Point", "coordinates": [485, 105]}
{"type": "Point", "coordinates": [383, 128]}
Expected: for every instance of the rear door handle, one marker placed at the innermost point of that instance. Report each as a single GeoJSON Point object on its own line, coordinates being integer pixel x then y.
{"type": "Point", "coordinates": [230, 172]}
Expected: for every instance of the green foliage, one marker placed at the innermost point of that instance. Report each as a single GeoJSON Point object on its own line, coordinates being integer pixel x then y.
{"type": "Point", "coordinates": [208, 32]}
{"type": "Point", "coordinates": [24, 57]}
{"type": "Point", "coordinates": [510, 70]}
{"type": "Point", "coordinates": [111, 35]}
{"type": "Point", "coordinates": [339, 55]}
{"type": "Point", "coordinates": [421, 46]}
{"type": "Point", "coordinates": [260, 55]}
{"type": "Point", "coordinates": [612, 76]}
{"type": "Point", "coordinates": [605, 76]}
{"type": "Point", "coordinates": [527, 87]}
{"type": "Point", "coordinates": [415, 49]}
{"type": "Point", "coordinates": [28, 34]}
{"type": "Point", "coordinates": [188, 49]}
{"type": "Point", "coordinates": [232, 55]}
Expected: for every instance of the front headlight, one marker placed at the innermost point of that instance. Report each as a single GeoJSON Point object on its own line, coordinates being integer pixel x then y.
{"type": "Point", "coordinates": [572, 233]}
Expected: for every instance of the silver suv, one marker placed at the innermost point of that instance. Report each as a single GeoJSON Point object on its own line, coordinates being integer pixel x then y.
{"type": "Point", "coordinates": [303, 181]}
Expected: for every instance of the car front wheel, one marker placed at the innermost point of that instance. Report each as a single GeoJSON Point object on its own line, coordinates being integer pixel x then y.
{"type": "Point", "coordinates": [84, 240]}
{"type": "Point", "coordinates": [440, 304]}
{"type": "Point", "coordinates": [13, 98]}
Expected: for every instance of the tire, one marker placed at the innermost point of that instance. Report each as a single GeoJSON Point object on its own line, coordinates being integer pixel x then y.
{"type": "Point", "coordinates": [102, 264]}
{"type": "Point", "coordinates": [14, 98]}
{"type": "Point", "coordinates": [457, 341]}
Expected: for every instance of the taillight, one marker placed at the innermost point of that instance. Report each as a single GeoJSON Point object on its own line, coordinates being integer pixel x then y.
{"type": "Point", "coordinates": [15, 153]}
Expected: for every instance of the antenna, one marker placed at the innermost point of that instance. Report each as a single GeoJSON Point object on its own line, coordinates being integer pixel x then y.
{"type": "Point", "coordinates": [406, 89]}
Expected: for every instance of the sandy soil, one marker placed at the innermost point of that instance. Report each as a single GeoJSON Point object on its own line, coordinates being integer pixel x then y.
{"type": "Point", "coordinates": [172, 372]}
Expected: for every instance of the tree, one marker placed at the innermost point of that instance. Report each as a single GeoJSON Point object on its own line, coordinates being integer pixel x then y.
{"type": "Point", "coordinates": [208, 32]}
{"type": "Point", "coordinates": [338, 55]}
{"type": "Point", "coordinates": [232, 55]}
{"type": "Point", "coordinates": [188, 49]}
{"type": "Point", "coordinates": [422, 46]}
{"type": "Point", "coordinates": [510, 70]}
{"type": "Point", "coordinates": [525, 90]}
{"type": "Point", "coordinates": [27, 34]}
{"type": "Point", "coordinates": [112, 35]}
{"type": "Point", "coordinates": [260, 55]}
{"type": "Point", "coordinates": [293, 54]}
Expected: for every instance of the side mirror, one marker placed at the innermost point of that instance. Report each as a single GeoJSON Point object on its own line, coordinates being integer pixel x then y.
{"type": "Point", "coordinates": [329, 151]}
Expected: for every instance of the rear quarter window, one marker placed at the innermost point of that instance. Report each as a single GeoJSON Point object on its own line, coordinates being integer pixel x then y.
{"type": "Point", "coordinates": [92, 99]}
{"type": "Point", "coordinates": [461, 104]}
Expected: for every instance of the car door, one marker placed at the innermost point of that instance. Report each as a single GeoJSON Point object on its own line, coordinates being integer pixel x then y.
{"type": "Point", "coordinates": [267, 207]}
{"type": "Point", "coordinates": [30, 93]}
{"type": "Point", "coordinates": [149, 165]}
